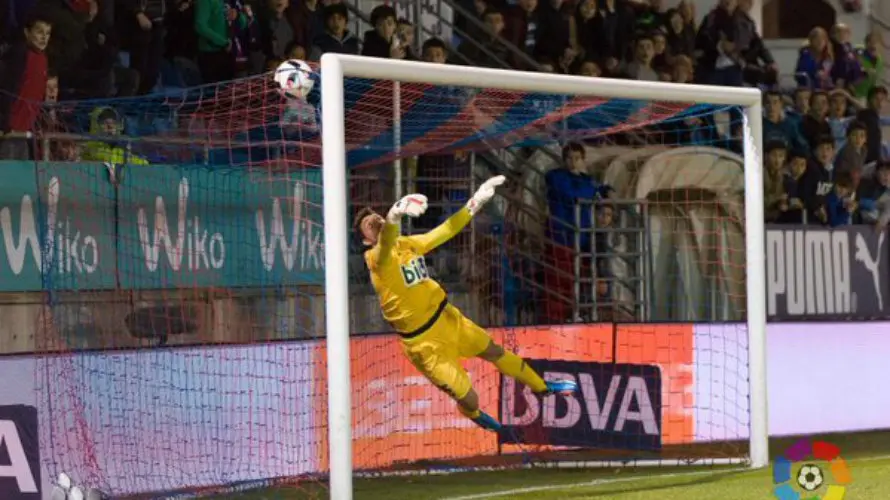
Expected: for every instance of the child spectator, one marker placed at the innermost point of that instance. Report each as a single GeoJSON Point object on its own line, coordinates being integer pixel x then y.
{"type": "Point", "coordinates": [819, 180]}
{"type": "Point", "coordinates": [778, 127]}
{"type": "Point", "coordinates": [840, 203]}
{"type": "Point", "coordinates": [106, 123]}
{"type": "Point", "coordinates": [405, 32]}
{"type": "Point", "coordinates": [23, 86]}
{"type": "Point", "coordinates": [872, 63]}
{"type": "Point", "coordinates": [801, 107]}
{"type": "Point", "coordinates": [589, 68]}
{"type": "Point", "coordinates": [852, 156]}
{"type": "Point", "coordinates": [492, 43]}
{"type": "Point", "coordinates": [794, 185]}
{"type": "Point", "coordinates": [566, 186]}
{"type": "Point", "coordinates": [381, 41]}
{"type": "Point", "coordinates": [434, 51]}
{"type": "Point", "coordinates": [815, 123]}
{"type": "Point", "coordinates": [838, 118]}
{"type": "Point", "coordinates": [641, 66]}
{"type": "Point", "coordinates": [871, 117]}
{"type": "Point", "coordinates": [775, 200]}
{"type": "Point", "coordinates": [815, 61]}
{"type": "Point", "coordinates": [683, 70]}
{"type": "Point", "coordinates": [874, 192]}
{"type": "Point", "coordinates": [336, 38]}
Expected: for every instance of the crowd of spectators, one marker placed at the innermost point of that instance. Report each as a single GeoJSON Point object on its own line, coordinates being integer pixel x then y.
{"type": "Point", "coordinates": [824, 155]}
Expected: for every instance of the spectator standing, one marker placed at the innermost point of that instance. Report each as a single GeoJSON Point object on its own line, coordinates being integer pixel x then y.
{"type": "Point", "coordinates": [846, 71]}
{"type": "Point", "coordinates": [641, 66]}
{"type": "Point", "coordinates": [143, 22]}
{"type": "Point", "coordinates": [215, 58]}
{"type": "Point", "coordinates": [616, 20]}
{"type": "Point", "coordinates": [851, 156]}
{"type": "Point", "coordinates": [336, 38]}
{"type": "Point", "coordinates": [819, 180]}
{"type": "Point", "coordinates": [760, 67]}
{"type": "Point", "coordinates": [778, 127]}
{"type": "Point", "coordinates": [589, 30]}
{"type": "Point", "coordinates": [815, 62]}
{"type": "Point", "coordinates": [182, 42]}
{"type": "Point", "coordinates": [381, 41]}
{"type": "Point", "coordinates": [720, 62]}
{"type": "Point", "coordinates": [276, 31]}
{"type": "Point", "coordinates": [307, 21]}
{"type": "Point", "coordinates": [650, 16]}
{"type": "Point", "coordinates": [23, 86]}
{"type": "Point", "coordinates": [795, 178]}
{"type": "Point", "coordinates": [491, 49]}
{"type": "Point", "coordinates": [872, 63]}
{"type": "Point", "coordinates": [566, 187]}
{"type": "Point", "coordinates": [871, 117]}
{"type": "Point", "coordinates": [680, 36]}
{"type": "Point", "coordinates": [815, 123]}
{"type": "Point", "coordinates": [552, 38]}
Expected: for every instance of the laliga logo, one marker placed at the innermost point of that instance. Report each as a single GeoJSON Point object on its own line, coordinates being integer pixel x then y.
{"type": "Point", "coordinates": [810, 477]}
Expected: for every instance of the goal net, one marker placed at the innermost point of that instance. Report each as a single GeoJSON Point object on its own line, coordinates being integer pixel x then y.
{"type": "Point", "coordinates": [209, 325]}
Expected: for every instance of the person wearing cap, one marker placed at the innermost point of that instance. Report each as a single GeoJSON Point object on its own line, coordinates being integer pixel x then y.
{"type": "Point", "coordinates": [105, 123]}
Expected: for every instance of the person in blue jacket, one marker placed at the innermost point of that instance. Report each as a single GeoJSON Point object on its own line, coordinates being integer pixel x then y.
{"type": "Point", "coordinates": [567, 187]}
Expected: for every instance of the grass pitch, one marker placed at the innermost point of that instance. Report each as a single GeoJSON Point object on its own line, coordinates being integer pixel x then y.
{"type": "Point", "coordinates": [868, 455]}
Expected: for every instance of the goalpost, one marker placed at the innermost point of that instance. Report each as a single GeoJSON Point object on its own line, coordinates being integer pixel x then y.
{"type": "Point", "coordinates": [336, 69]}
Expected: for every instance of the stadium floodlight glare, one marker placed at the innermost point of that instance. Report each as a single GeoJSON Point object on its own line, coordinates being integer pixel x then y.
{"type": "Point", "coordinates": [336, 68]}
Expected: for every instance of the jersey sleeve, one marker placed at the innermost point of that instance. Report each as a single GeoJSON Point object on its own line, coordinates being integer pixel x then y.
{"type": "Point", "coordinates": [427, 242]}
{"type": "Point", "coordinates": [382, 252]}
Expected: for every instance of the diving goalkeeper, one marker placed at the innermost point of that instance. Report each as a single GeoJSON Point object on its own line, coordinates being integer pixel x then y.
{"type": "Point", "coordinates": [435, 335]}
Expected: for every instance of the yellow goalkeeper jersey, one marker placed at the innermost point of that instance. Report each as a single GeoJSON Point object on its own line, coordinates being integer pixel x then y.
{"type": "Point", "coordinates": [408, 296]}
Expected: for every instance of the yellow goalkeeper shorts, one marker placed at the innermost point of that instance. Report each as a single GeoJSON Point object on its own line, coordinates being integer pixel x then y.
{"type": "Point", "coordinates": [438, 351]}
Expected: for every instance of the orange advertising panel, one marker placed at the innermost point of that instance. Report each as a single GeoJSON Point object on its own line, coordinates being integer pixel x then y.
{"type": "Point", "coordinates": [399, 417]}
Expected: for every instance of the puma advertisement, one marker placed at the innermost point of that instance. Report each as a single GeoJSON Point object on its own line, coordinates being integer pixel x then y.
{"type": "Point", "coordinates": [617, 406]}
{"type": "Point", "coordinates": [827, 274]}
{"type": "Point", "coordinates": [19, 453]}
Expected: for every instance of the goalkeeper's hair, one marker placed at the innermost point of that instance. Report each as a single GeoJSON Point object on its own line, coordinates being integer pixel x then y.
{"type": "Point", "coordinates": [357, 221]}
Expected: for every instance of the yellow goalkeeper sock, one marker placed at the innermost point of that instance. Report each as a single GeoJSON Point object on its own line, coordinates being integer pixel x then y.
{"type": "Point", "coordinates": [472, 415]}
{"type": "Point", "coordinates": [512, 365]}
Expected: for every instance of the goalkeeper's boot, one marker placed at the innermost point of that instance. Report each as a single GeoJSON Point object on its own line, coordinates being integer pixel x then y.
{"type": "Point", "coordinates": [563, 387]}
{"type": "Point", "coordinates": [487, 422]}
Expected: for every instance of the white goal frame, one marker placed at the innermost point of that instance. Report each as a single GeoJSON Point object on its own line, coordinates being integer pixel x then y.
{"type": "Point", "coordinates": [336, 67]}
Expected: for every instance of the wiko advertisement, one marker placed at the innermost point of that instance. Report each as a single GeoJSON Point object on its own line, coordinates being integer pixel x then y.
{"type": "Point", "coordinates": [66, 227]}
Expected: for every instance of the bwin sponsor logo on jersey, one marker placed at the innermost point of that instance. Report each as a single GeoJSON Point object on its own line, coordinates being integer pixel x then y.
{"type": "Point", "coordinates": [825, 272]}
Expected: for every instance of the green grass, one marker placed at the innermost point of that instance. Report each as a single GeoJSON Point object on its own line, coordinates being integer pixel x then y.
{"type": "Point", "coordinates": [868, 455]}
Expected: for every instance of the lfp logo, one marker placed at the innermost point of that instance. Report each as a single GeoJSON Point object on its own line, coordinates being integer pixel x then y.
{"type": "Point", "coordinates": [810, 477]}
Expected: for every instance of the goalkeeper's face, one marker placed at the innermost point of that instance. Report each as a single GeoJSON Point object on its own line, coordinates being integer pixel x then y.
{"type": "Point", "coordinates": [370, 226]}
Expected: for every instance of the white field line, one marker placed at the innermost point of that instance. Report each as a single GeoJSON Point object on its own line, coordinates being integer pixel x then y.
{"type": "Point", "coordinates": [617, 480]}
{"type": "Point", "coordinates": [595, 482]}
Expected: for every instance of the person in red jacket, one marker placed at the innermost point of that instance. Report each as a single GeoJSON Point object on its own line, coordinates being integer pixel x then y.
{"type": "Point", "coordinates": [23, 87]}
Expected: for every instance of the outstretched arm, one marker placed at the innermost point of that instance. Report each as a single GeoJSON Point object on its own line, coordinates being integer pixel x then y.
{"type": "Point", "coordinates": [413, 205]}
{"type": "Point", "coordinates": [428, 242]}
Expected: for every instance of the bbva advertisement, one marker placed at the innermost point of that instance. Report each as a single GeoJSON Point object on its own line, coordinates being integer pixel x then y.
{"type": "Point", "coordinates": [228, 414]}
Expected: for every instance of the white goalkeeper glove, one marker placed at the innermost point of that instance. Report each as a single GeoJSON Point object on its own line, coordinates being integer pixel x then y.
{"type": "Point", "coordinates": [413, 205]}
{"type": "Point", "coordinates": [484, 194]}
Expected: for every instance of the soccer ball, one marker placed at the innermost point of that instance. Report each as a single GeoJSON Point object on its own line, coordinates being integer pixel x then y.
{"type": "Point", "coordinates": [294, 79]}
{"type": "Point", "coordinates": [810, 477]}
